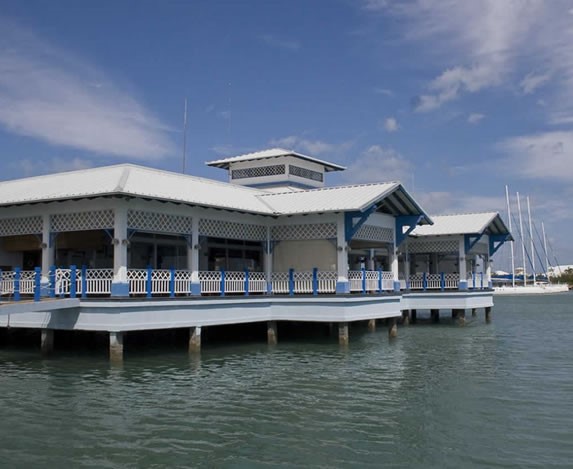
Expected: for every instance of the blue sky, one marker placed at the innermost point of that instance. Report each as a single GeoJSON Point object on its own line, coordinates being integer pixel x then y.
{"type": "Point", "coordinates": [453, 98]}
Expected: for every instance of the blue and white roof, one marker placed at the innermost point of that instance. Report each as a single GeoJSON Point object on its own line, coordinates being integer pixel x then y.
{"type": "Point", "coordinates": [465, 223]}
{"type": "Point", "coordinates": [272, 153]}
{"type": "Point", "coordinates": [139, 181]}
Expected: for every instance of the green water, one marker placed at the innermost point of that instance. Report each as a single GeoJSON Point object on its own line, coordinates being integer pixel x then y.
{"type": "Point", "coordinates": [440, 396]}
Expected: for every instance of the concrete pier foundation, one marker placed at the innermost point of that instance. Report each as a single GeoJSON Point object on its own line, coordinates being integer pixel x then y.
{"type": "Point", "coordinates": [461, 317]}
{"type": "Point", "coordinates": [474, 312]}
{"type": "Point", "coordinates": [392, 328]}
{"type": "Point", "coordinates": [343, 333]}
{"type": "Point", "coordinates": [413, 316]}
{"type": "Point", "coordinates": [47, 341]}
{"type": "Point", "coordinates": [488, 314]}
{"type": "Point", "coordinates": [406, 317]}
{"type": "Point", "coordinates": [372, 325]}
{"type": "Point", "coordinates": [195, 339]}
{"type": "Point", "coordinates": [116, 346]}
{"type": "Point", "coordinates": [435, 315]}
{"type": "Point", "coordinates": [272, 333]}
{"type": "Point", "coordinates": [455, 313]}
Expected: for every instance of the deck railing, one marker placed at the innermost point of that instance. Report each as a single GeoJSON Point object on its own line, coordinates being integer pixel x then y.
{"type": "Point", "coordinates": [444, 281]}
{"type": "Point", "coordinates": [74, 282]}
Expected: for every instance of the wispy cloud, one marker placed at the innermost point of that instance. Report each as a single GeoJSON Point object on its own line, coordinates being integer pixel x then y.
{"type": "Point", "coordinates": [543, 155]}
{"type": "Point", "coordinates": [391, 124]}
{"type": "Point", "coordinates": [531, 82]}
{"type": "Point", "coordinates": [384, 91]}
{"type": "Point", "coordinates": [377, 164]}
{"type": "Point", "coordinates": [274, 41]}
{"type": "Point", "coordinates": [486, 43]}
{"type": "Point", "coordinates": [475, 118]}
{"type": "Point", "coordinates": [443, 202]}
{"type": "Point", "coordinates": [313, 147]}
{"type": "Point", "coordinates": [48, 94]}
{"type": "Point", "coordinates": [52, 165]}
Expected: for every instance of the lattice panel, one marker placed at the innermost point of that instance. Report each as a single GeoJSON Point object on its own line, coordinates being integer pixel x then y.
{"type": "Point", "coordinates": [20, 226]}
{"type": "Point", "coordinates": [82, 221]}
{"type": "Point", "coordinates": [375, 233]}
{"type": "Point", "coordinates": [231, 230]}
{"type": "Point", "coordinates": [259, 171]}
{"type": "Point", "coordinates": [158, 222]}
{"type": "Point", "coordinates": [433, 246]}
{"type": "Point", "coordinates": [310, 231]}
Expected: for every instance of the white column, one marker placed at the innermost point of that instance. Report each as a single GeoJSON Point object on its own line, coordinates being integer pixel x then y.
{"type": "Point", "coordinates": [394, 267]}
{"type": "Point", "coordinates": [120, 285]}
{"type": "Point", "coordinates": [462, 265]}
{"type": "Point", "coordinates": [193, 257]}
{"type": "Point", "coordinates": [406, 263]}
{"type": "Point", "coordinates": [487, 271]}
{"type": "Point", "coordinates": [371, 259]}
{"type": "Point", "coordinates": [48, 254]}
{"type": "Point", "coordinates": [268, 260]}
{"type": "Point", "coordinates": [342, 285]}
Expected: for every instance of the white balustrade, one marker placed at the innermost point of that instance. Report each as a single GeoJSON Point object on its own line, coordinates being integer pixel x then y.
{"type": "Point", "coordinates": [373, 280]}
{"type": "Point", "coordinates": [137, 279]}
{"type": "Point", "coordinates": [451, 281]}
{"type": "Point", "coordinates": [326, 281]}
{"type": "Point", "coordinates": [280, 282]}
{"type": "Point", "coordinates": [210, 282]}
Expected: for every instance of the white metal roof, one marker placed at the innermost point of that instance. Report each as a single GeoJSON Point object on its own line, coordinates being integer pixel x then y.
{"type": "Point", "coordinates": [273, 153]}
{"type": "Point", "coordinates": [139, 181]}
{"type": "Point", "coordinates": [466, 223]}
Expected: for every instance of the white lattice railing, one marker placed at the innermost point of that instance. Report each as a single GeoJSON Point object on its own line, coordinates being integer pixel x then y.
{"type": "Point", "coordinates": [327, 281]}
{"type": "Point", "coordinates": [27, 282]}
{"type": "Point", "coordinates": [441, 281]}
{"type": "Point", "coordinates": [370, 280]}
{"type": "Point", "coordinates": [280, 282]}
{"type": "Point", "coordinates": [137, 280]}
{"type": "Point", "coordinates": [210, 282]}
{"type": "Point", "coordinates": [98, 281]}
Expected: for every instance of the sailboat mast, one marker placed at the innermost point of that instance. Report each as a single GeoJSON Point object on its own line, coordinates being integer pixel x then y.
{"type": "Point", "coordinates": [531, 240]}
{"type": "Point", "coordinates": [545, 251]}
{"type": "Point", "coordinates": [511, 244]}
{"type": "Point", "coordinates": [522, 241]}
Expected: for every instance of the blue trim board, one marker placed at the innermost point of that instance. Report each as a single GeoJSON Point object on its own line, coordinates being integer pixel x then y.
{"type": "Point", "coordinates": [497, 241]}
{"type": "Point", "coordinates": [353, 221]}
{"type": "Point", "coordinates": [411, 221]}
{"type": "Point", "coordinates": [120, 289]}
{"type": "Point", "coordinates": [470, 240]}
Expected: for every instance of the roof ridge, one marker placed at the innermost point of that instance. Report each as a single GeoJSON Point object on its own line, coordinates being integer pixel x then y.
{"type": "Point", "coordinates": [466, 213]}
{"type": "Point", "coordinates": [329, 188]}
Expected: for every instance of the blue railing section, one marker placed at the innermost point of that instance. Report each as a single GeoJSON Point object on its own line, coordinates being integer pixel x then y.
{"type": "Point", "coordinates": [74, 282]}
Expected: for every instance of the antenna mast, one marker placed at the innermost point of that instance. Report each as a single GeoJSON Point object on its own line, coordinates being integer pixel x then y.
{"type": "Point", "coordinates": [531, 240]}
{"type": "Point", "coordinates": [522, 242]}
{"type": "Point", "coordinates": [511, 244]}
{"type": "Point", "coordinates": [185, 138]}
{"type": "Point", "coordinates": [545, 249]}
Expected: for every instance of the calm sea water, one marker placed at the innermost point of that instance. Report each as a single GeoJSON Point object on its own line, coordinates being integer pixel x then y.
{"type": "Point", "coordinates": [498, 395]}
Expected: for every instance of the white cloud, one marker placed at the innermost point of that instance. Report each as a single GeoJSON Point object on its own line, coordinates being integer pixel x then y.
{"type": "Point", "coordinates": [47, 94]}
{"type": "Point", "coordinates": [544, 155]}
{"type": "Point", "coordinates": [532, 82]}
{"type": "Point", "coordinates": [384, 91]}
{"type": "Point", "coordinates": [391, 124]}
{"type": "Point", "coordinates": [377, 164]}
{"type": "Point", "coordinates": [486, 43]}
{"type": "Point", "coordinates": [475, 118]}
{"type": "Point", "coordinates": [313, 147]}
{"type": "Point", "coordinates": [274, 41]}
{"type": "Point", "coordinates": [443, 203]}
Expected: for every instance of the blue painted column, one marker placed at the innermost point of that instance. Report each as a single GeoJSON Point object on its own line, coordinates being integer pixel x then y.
{"type": "Point", "coordinates": [222, 283]}
{"type": "Point", "coordinates": [148, 282]}
{"type": "Point", "coordinates": [84, 281]}
{"type": "Point", "coordinates": [246, 282]}
{"type": "Point", "coordinates": [442, 281]}
{"type": "Point", "coordinates": [380, 280]}
{"type": "Point", "coordinates": [172, 282]}
{"type": "Point", "coordinates": [424, 281]}
{"type": "Point", "coordinates": [363, 280]}
{"type": "Point", "coordinates": [37, 283]}
{"type": "Point", "coordinates": [73, 281]}
{"type": "Point", "coordinates": [52, 281]}
{"type": "Point", "coordinates": [315, 281]}
{"type": "Point", "coordinates": [17, 276]}
{"type": "Point", "coordinates": [291, 282]}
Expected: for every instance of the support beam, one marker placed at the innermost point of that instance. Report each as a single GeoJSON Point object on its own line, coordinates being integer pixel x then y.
{"type": "Point", "coordinates": [343, 333]}
{"type": "Point", "coordinates": [272, 332]}
{"type": "Point", "coordinates": [47, 341]}
{"type": "Point", "coordinates": [403, 221]}
{"type": "Point", "coordinates": [372, 325]}
{"type": "Point", "coordinates": [392, 328]}
{"type": "Point", "coordinates": [116, 346]}
{"type": "Point", "coordinates": [195, 339]}
{"type": "Point", "coordinates": [435, 315]}
{"type": "Point", "coordinates": [488, 314]}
